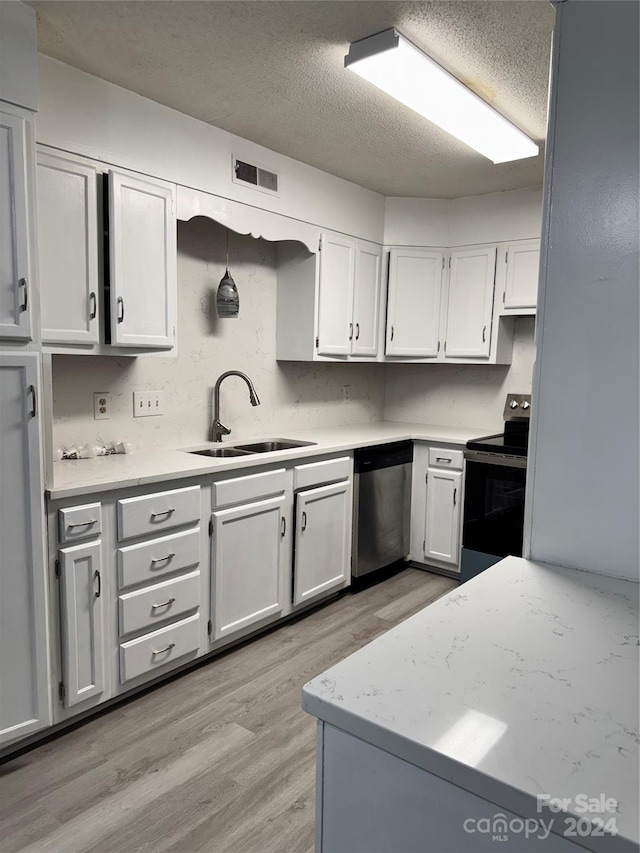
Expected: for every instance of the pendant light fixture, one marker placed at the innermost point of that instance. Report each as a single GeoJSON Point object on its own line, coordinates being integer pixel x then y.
{"type": "Point", "coordinates": [392, 63]}
{"type": "Point", "coordinates": [227, 298]}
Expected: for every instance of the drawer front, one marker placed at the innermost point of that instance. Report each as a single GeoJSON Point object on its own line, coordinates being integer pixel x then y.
{"type": "Point", "coordinates": [155, 604]}
{"type": "Point", "coordinates": [151, 560]}
{"type": "Point", "coordinates": [317, 473]}
{"type": "Point", "coordinates": [156, 650]}
{"type": "Point", "coordinates": [149, 514]}
{"type": "Point", "coordinates": [441, 458]}
{"type": "Point", "coordinates": [241, 489]}
{"type": "Point", "coordinates": [79, 522]}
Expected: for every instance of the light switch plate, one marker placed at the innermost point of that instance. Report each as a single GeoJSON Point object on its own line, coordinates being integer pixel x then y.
{"type": "Point", "coordinates": [148, 405]}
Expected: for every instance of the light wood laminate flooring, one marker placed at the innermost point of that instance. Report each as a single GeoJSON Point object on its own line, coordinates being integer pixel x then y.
{"type": "Point", "coordinates": [219, 760]}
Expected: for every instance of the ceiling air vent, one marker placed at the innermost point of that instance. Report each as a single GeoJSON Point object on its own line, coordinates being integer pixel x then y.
{"type": "Point", "coordinates": [255, 176]}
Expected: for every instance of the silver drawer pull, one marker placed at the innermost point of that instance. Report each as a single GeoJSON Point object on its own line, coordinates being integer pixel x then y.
{"type": "Point", "coordinates": [83, 523]}
{"type": "Point", "coordinates": [443, 459]}
{"type": "Point", "coordinates": [166, 649]}
{"type": "Point", "coordinates": [163, 559]}
{"type": "Point", "coordinates": [162, 512]}
{"type": "Point", "coordinates": [164, 604]}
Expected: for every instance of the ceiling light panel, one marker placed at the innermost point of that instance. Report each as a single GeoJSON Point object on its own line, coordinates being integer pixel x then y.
{"type": "Point", "coordinates": [399, 68]}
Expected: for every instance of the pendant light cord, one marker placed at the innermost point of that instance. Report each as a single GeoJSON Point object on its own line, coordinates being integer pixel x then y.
{"type": "Point", "coordinates": [227, 250]}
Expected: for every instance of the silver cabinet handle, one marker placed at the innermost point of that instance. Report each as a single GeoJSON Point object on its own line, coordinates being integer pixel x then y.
{"type": "Point", "coordinates": [357, 331]}
{"type": "Point", "coordinates": [443, 459]}
{"type": "Point", "coordinates": [163, 559]}
{"type": "Point", "coordinates": [304, 521]}
{"type": "Point", "coordinates": [283, 529]}
{"type": "Point", "coordinates": [25, 302]}
{"type": "Point", "coordinates": [484, 334]}
{"type": "Point", "coordinates": [166, 649]}
{"type": "Point", "coordinates": [82, 523]}
{"type": "Point", "coordinates": [163, 512]}
{"type": "Point", "coordinates": [34, 400]}
{"type": "Point", "coordinates": [164, 604]}
{"type": "Point", "coordinates": [455, 493]}
{"type": "Point", "coordinates": [93, 306]}
{"type": "Point", "coordinates": [120, 304]}
{"type": "Point", "coordinates": [99, 579]}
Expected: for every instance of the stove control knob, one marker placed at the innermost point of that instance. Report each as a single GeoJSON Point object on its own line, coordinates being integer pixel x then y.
{"type": "Point", "coordinates": [525, 405]}
{"type": "Point", "coordinates": [513, 404]}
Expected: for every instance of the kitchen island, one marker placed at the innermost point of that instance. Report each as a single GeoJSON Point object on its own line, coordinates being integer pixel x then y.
{"type": "Point", "coordinates": [505, 714]}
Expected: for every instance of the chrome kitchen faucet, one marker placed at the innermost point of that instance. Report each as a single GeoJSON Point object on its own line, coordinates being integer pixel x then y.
{"type": "Point", "coordinates": [218, 429]}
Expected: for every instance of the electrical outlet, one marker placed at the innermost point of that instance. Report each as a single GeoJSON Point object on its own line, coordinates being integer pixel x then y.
{"type": "Point", "coordinates": [101, 406]}
{"type": "Point", "coordinates": [346, 393]}
{"type": "Point", "coordinates": [148, 405]}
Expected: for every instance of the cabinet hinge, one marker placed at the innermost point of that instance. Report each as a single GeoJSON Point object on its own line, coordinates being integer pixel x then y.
{"type": "Point", "coordinates": [426, 477]}
{"type": "Point", "coordinates": [211, 526]}
{"type": "Point", "coordinates": [424, 546]}
{"type": "Point", "coordinates": [449, 261]}
{"type": "Point", "coordinates": [319, 244]}
{"type": "Point", "coordinates": [443, 262]}
{"type": "Point", "coordinates": [61, 691]}
{"type": "Point", "coordinates": [317, 342]}
{"type": "Point", "coordinates": [504, 294]}
{"type": "Point", "coordinates": [445, 346]}
{"type": "Point", "coordinates": [506, 257]}
{"type": "Point", "coordinates": [209, 627]}
{"type": "Point", "coordinates": [57, 564]}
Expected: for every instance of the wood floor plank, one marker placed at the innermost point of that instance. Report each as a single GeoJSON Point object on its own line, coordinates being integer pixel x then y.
{"type": "Point", "coordinates": [220, 760]}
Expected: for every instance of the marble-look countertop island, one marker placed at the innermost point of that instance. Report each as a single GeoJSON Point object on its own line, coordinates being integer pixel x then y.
{"type": "Point", "coordinates": [158, 464]}
{"type": "Point", "coordinates": [522, 682]}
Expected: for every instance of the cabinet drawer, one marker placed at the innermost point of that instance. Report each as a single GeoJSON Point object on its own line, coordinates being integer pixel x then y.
{"type": "Point", "coordinates": [250, 488]}
{"type": "Point", "coordinates": [151, 513]}
{"type": "Point", "coordinates": [151, 560]}
{"type": "Point", "coordinates": [79, 522]}
{"type": "Point", "coordinates": [162, 647]}
{"type": "Point", "coordinates": [154, 604]}
{"type": "Point", "coordinates": [317, 473]}
{"type": "Point", "coordinates": [441, 458]}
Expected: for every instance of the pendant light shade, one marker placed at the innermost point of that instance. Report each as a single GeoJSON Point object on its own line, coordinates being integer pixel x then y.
{"type": "Point", "coordinates": [227, 298]}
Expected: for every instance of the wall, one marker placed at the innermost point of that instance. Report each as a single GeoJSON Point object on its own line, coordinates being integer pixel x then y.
{"type": "Point", "coordinates": [583, 503]}
{"type": "Point", "coordinates": [293, 396]}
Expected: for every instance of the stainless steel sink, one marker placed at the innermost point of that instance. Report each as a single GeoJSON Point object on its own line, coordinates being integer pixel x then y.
{"type": "Point", "coordinates": [275, 444]}
{"type": "Point", "coordinates": [221, 452]}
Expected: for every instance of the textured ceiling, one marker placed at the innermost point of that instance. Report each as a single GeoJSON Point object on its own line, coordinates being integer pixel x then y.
{"type": "Point", "coordinates": [272, 72]}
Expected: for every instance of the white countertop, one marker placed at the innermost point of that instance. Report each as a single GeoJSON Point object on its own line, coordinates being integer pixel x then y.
{"type": "Point", "coordinates": [523, 681]}
{"type": "Point", "coordinates": [154, 465]}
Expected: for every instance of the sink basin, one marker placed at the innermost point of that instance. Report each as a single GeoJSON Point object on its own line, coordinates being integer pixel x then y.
{"type": "Point", "coordinates": [276, 444]}
{"type": "Point", "coordinates": [221, 452]}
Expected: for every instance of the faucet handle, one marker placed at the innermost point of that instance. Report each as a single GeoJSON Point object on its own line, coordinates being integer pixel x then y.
{"type": "Point", "coordinates": [218, 430]}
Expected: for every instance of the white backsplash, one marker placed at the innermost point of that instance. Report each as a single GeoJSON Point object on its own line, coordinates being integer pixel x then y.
{"type": "Point", "coordinates": [293, 395]}
{"type": "Point", "coordinates": [461, 395]}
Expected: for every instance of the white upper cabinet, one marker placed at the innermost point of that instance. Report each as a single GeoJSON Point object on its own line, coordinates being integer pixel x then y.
{"type": "Point", "coordinates": [520, 266]}
{"type": "Point", "coordinates": [24, 680]}
{"type": "Point", "coordinates": [366, 299]}
{"type": "Point", "coordinates": [68, 250]}
{"type": "Point", "coordinates": [335, 294]}
{"type": "Point", "coordinates": [470, 302]}
{"type": "Point", "coordinates": [15, 304]}
{"type": "Point", "coordinates": [414, 298]}
{"type": "Point", "coordinates": [142, 255]}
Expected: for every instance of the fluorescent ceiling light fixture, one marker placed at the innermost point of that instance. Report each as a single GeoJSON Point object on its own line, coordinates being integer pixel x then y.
{"type": "Point", "coordinates": [397, 67]}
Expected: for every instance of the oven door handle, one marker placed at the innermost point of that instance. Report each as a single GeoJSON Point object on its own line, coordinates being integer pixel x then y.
{"type": "Point", "coordinates": [495, 459]}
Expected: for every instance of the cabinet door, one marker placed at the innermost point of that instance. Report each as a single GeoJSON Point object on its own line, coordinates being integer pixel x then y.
{"type": "Point", "coordinates": [323, 540]}
{"type": "Point", "coordinates": [523, 264]}
{"type": "Point", "coordinates": [335, 295]}
{"type": "Point", "coordinates": [413, 315]}
{"type": "Point", "coordinates": [442, 527]}
{"type": "Point", "coordinates": [68, 250]}
{"type": "Point", "coordinates": [366, 299]}
{"type": "Point", "coordinates": [24, 703]}
{"type": "Point", "coordinates": [470, 305]}
{"type": "Point", "coordinates": [247, 564]}
{"type": "Point", "coordinates": [15, 308]}
{"type": "Point", "coordinates": [81, 624]}
{"type": "Point", "coordinates": [142, 255]}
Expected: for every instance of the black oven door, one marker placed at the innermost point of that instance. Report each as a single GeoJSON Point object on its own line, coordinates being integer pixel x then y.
{"type": "Point", "coordinates": [493, 519]}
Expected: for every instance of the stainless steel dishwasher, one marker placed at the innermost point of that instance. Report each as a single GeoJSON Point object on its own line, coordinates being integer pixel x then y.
{"type": "Point", "coordinates": [382, 506]}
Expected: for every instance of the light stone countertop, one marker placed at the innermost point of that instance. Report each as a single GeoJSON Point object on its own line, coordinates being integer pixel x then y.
{"type": "Point", "coordinates": [158, 464]}
{"type": "Point", "coordinates": [523, 681]}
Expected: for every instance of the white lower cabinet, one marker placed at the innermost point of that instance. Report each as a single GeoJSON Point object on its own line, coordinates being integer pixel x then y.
{"type": "Point", "coordinates": [322, 540]}
{"type": "Point", "coordinates": [443, 515]}
{"type": "Point", "coordinates": [82, 622]}
{"type": "Point", "coordinates": [247, 564]}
